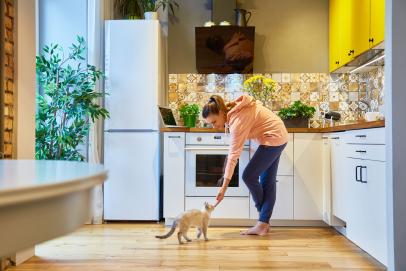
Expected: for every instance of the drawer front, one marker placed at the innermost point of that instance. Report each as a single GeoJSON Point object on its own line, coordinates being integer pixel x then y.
{"type": "Point", "coordinates": [230, 207]}
{"type": "Point", "coordinates": [283, 208]}
{"type": "Point", "coordinates": [209, 139]}
{"type": "Point", "coordinates": [366, 136]}
{"type": "Point", "coordinates": [366, 152]}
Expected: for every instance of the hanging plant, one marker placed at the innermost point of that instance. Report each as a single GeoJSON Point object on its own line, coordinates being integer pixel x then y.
{"type": "Point", "coordinates": [68, 102]}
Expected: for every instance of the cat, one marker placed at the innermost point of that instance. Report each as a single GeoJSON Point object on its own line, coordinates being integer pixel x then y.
{"type": "Point", "coordinates": [192, 218]}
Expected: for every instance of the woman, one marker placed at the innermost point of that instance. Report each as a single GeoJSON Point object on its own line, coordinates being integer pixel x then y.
{"type": "Point", "coordinates": [248, 119]}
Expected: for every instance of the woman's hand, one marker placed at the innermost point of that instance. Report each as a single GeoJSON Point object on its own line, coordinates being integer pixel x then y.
{"type": "Point", "coordinates": [220, 195]}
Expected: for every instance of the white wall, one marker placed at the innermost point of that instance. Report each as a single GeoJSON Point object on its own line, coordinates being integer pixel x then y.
{"type": "Point", "coordinates": [395, 98]}
{"type": "Point", "coordinates": [25, 78]}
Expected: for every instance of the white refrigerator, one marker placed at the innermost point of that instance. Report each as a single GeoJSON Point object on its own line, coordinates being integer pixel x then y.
{"type": "Point", "coordinates": [135, 71]}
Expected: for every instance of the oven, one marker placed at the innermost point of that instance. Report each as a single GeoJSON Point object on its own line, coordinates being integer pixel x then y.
{"type": "Point", "coordinates": [204, 165]}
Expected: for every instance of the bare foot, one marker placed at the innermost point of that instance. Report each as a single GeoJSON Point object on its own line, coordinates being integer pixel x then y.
{"type": "Point", "coordinates": [260, 228]}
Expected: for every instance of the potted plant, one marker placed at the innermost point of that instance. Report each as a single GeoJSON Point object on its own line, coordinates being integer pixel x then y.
{"type": "Point", "coordinates": [189, 113]}
{"type": "Point", "coordinates": [129, 9]}
{"type": "Point", "coordinates": [297, 115]}
{"type": "Point", "coordinates": [151, 7]}
{"type": "Point", "coordinates": [66, 103]}
{"type": "Point", "coordinates": [261, 88]}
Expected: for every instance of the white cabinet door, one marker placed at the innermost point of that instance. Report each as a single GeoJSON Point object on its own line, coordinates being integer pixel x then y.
{"type": "Point", "coordinates": [308, 179]}
{"type": "Point", "coordinates": [285, 167]}
{"type": "Point", "coordinates": [340, 174]}
{"type": "Point", "coordinates": [366, 225]}
{"type": "Point", "coordinates": [174, 174]}
{"type": "Point", "coordinates": [283, 208]}
{"type": "Point", "coordinates": [326, 173]}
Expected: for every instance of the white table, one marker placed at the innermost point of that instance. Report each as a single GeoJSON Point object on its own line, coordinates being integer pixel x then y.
{"type": "Point", "coordinates": [41, 200]}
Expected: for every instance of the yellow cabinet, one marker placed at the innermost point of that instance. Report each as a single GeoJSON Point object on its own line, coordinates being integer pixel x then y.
{"type": "Point", "coordinates": [339, 28]}
{"type": "Point", "coordinates": [355, 26]}
{"type": "Point", "coordinates": [377, 33]}
{"type": "Point", "coordinates": [360, 21]}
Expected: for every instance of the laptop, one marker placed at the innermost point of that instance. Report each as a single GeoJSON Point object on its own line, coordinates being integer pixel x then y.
{"type": "Point", "coordinates": [168, 120]}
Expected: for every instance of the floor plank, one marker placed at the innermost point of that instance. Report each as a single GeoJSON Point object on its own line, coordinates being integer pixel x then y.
{"type": "Point", "coordinates": [133, 247]}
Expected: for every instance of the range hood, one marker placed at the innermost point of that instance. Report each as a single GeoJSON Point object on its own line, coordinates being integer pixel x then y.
{"type": "Point", "coordinates": [365, 62]}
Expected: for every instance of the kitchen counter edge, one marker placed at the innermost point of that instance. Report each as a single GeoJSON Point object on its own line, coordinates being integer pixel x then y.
{"type": "Point", "coordinates": [339, 128]}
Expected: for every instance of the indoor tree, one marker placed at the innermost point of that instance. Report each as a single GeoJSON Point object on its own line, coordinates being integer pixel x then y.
{"type": "Point", "coordinates": [67, 101]}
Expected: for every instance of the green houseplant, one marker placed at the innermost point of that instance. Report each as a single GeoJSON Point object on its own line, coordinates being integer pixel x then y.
{"type": "Point", "coordinates": [151, 7]}
{"type": "Point", "coordinates": [129, 9]}
{"type": "Point", "coordinates": [261, 88]}
{"type": "Point", "coordinates": [68, 102]}
{"type": "Point", "coordinates": [189, 113]}
{"type": "Point", "coordinates": [297, 114]}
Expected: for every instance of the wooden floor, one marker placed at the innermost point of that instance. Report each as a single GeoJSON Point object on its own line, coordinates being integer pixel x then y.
{"type": "Point", "coordinates": [133, 247]}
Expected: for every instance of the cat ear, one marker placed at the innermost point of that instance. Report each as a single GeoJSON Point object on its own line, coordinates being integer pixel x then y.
{"type": "Point", "coordinates": [206, 205]}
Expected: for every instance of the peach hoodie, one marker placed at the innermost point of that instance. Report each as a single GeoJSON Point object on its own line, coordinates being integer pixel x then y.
{"type": "Point", "coordinates": [250, 120]}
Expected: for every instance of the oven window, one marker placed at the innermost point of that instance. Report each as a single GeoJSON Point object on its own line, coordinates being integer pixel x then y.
{"type": "Point", "coordinates": [209, 169]}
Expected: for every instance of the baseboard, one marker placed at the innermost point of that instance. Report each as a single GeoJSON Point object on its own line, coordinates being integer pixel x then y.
{"type": "Point", "coordinates": [219, 222]}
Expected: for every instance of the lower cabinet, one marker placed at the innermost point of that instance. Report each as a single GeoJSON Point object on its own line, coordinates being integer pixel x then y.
{"type": "Point", "coordinates": [366, 220]}
{"type": "Point", "coordinates": [230, 207]}
{"type": "Point", "coordinates": [283, 208]}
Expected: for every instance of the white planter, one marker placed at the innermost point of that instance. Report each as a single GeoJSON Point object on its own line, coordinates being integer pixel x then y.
{"type": "Point", "coordinates": [151, 15]}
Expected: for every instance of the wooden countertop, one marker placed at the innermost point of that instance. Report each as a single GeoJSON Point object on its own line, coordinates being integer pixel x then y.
{"type": "Point", "coordinates": [340, 128]}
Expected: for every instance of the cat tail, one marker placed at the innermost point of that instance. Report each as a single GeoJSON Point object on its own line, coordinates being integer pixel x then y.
{"type": "Point", "coordinates": [173, 228]}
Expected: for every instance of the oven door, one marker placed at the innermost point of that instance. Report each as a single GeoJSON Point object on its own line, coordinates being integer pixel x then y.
{"type": "Point", "coordinates": [204, 167]}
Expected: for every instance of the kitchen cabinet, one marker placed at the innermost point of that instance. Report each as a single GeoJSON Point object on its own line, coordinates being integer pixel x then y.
{"type": "Point", "coordinates": [283, 208]}
{"type": "Point", "coordinates": [366, 223]}
{"type": "Point", "coordinates": [339, 33]}
{"type": "Point", "coordinates": [377, 30]}
{"type": "Point", "coordinates": [339, 176]}
{"type": "Point", "coordinates": [174, 174]}
{"type": "Point", "coordinates": [354, 27]}
{"type": "Point", "coordinates": [308, 179]}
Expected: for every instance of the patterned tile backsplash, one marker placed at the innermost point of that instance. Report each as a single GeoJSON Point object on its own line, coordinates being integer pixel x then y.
{"type": "Point", "coordinates": [349, 94]}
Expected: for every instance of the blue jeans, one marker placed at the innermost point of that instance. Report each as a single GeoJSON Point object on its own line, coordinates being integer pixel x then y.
{"type": "Point", "coordinates": [263, 166]}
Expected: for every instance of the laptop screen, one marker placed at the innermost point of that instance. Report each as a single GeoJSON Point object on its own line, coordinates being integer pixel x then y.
{"type": "Point", "coordinates": [167, 116]}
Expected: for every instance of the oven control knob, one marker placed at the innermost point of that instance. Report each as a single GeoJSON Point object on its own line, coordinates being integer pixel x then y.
{"type": "Point", "coordinates": [199, 139]}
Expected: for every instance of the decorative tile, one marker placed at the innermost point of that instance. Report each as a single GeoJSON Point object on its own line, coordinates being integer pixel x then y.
{"type": "Point", "coordinates": [191, 78]}
{"type": "Point", "coordinates": [295, 77]}
{"type": "Point", "coordinates": [333, 87]}
{"type": "Point", "coordinates": [286, 77]}
{"type": "Point", "coordinates": [343, 106]}
{"type": "Point", "coordinates": [211, 88]}
{"type": "Point", "coordinates": [353, 78]}
{"type": "Point", "coordinates": [201, 78]}
{"type": "Point", "coordinates": [182, 87]}
{"type": "Point", "coordinates": [343, 86]}
{"type": "Point", "coordinates": [324, 107]}
{"type": "Point", "coordinates": [173, 78]}
{"type": "Point", "coordinates": [173, 97]}
{"type": "Point", "coordinates": [313, 87]}
{"type": "Point", "coordinates": [314, 77]}
{"type": "Point", "coordinates": [305, 78]}
{"type": "Point", "coordinates": [277, 77]}
{"type": "Point", "coordinates": [343, 96]}
{"type": "Point", "coordinates": [353, 86]}
{"type": "Point", "coordinates": [314, 96]}
{"type": "Point", "coordinates": [334, 106]}
{"type": "Point", "coordinates": [305, 97]}
{"type": "Point", "coordinates": [211, 78]}
{"type": "Point", "coordinates": [353, 96]}
{"type": "Point", "coordinates": [295, 96]}
{"type": "Point", "coordinates": [295, 87]}
{"type": "Point", "coordinates": [324, 78]}
{"type": "Point", "coordinates": [173, 87]}
{"type": "Point", "coordinates": [353, 106]}
{"type": "Point", "coordinates": [363, 106]}
{"type": "Point", "coordinates": [334, 96]}
{"type": "Point", "coordinates": [305, 87]}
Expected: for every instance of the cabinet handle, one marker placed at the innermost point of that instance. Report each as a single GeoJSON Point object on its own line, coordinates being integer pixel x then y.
{"type": "Point", "coordinates": [173, 136]}
{"type": "Point", "coordinates": [362, 181]}
{"type": "Point", "coordinates": [361, 136]}
{"type": "Point", "coordinates": [217, 137]}
{"type": "Point", "coordinates": [351, 52]}
{"type": "Point", "coordinates": [336, 137]}
{"type": "Point", "coordinates": [356, 173]}
{"type": "Point", "coordinates": [371, 40]}
{"type": "Point", "coordinates": [361, 151]}
{"type": "Point", "coordinates": [337, 62]}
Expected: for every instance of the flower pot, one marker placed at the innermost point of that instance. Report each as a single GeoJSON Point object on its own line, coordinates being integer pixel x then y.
{"type": "Point", "coordinates": [151, 15]}
{"type": "Point", "coordinates": [190, 120]}
{"type": "Point", "coordinates": [296, 123]}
